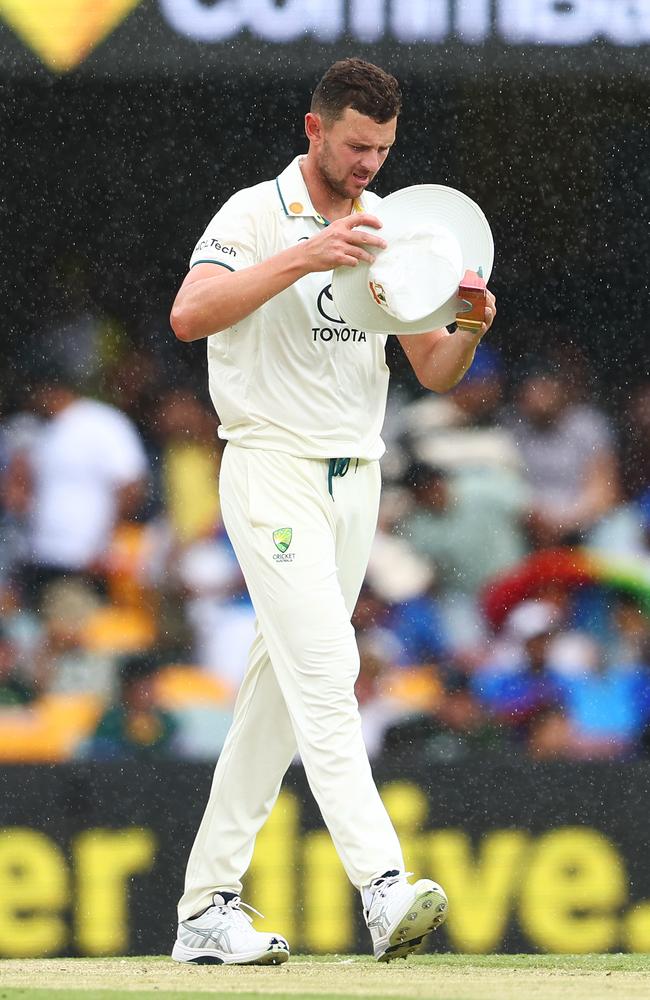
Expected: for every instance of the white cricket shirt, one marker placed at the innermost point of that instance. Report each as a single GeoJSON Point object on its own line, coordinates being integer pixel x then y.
{"type": "Point", "coordinates": [292, 376]}
{"type": "Point", "coordinates": [79, 460]}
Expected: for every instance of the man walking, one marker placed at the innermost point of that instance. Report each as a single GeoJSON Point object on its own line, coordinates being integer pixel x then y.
{"type": "Point", "coordinates": [301, 399]}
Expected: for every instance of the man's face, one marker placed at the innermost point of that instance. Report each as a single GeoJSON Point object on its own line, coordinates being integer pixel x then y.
{"type": "Point", "coordinates": [350, 151]}
{"type": "Point", "coordinates": [479, 397]}
{"type": "Point", "coordinates": [49, 399]}
{"type": "Point", "coordinates": [542, 399]}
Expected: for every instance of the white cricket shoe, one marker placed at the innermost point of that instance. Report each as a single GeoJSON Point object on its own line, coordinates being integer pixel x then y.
{"type": "Point", "coordinates": [399, 914]}
{"type": "Point", "coordinates": [223, 935]}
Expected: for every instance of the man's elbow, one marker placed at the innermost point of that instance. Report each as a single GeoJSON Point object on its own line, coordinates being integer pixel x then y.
{"type": "Point", "coordinates": [434, 382]}
{"type": "Point", "coordinates": [181, 323]}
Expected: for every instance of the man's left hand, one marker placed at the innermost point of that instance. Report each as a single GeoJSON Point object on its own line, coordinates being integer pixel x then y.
{"type": "Point", "coordinates": [490, 312]}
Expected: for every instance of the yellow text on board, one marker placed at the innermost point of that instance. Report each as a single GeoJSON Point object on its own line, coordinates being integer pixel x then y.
{"type": "Point", "coordinates": [566, 888]}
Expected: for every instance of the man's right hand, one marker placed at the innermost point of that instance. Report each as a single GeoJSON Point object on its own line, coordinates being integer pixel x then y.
{"type": "Point", "coordinates": [342, 243]}
{"type": "Point", "coordinates": [212, 299]}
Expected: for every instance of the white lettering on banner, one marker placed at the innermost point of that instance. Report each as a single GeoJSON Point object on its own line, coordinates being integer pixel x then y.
{"type": "Point", "coordinates": [517, 22]}
{"type": "Point", "coordinates": [547, 22]}
{"type": "Point", "coordinates": [206, 24]}
{"type": "Point", "coordinates": [473, 20]}
{"type": "Point", "coordinates": [419, 20]}
{"type": "Point", "coordinates": [628, 23]}
{"type": "Point", "coordinates": [327, 18]}
{"type": "Point", "coordinates": [278, 24]}
{"type": "Point", "coordinates": [368, 20]}
{"type": "Point", "coordinates": [322, 18]}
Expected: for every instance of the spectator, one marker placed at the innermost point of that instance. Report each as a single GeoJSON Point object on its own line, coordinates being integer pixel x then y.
{"type": "Point", "coordinates": [386, 693]}
{"type": "Point", "coordinates": [459, 727]}
{"type": "Point", "coordinates": [470, 512]}
{"type": "Point", "coordinates": [468, 525]}
{"type": "Point", "coordinates": [191, 455]}
{"type": "Point", "coordinates": [85, 470]}
{"type": "Point", "coordinates": [217, 608]}
{"type": "Point", "coordinates": [568, 456]}
{"type": "Point", "coordinates": [465, 429]}
{"type": "Point", "coordinates": [521, 692]}
{"type": "Point", "coordinates": [14, 686]}
{"type": "Point", "coordinates": [403, 581]}
{"type": "Point", "coordinates": [577, 691]}
{"type": "Point", "coordinates": [63, 663]}
{"type": "Point", "coordinates": [606, 712]}
{"type": "Point", "coordinates": [630, 643]}
{"type": "Point", "coordinates": [417, 624]}
{"type": "Point", "coordinates": [636, 444]}
{"type": "Point", "coordinates": [134, 728]}
{"type": "Point", "coordinates": [17, 434]}
{"type": "Point", "coordinates": [627, 528]}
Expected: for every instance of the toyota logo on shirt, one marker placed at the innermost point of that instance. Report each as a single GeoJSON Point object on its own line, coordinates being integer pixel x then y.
{"type": "Point", "coordinates": [326, 306]}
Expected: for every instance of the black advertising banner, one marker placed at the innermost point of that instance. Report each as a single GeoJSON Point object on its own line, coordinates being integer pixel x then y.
{"type": "Point", "coordinates": [135, 38]}
{"type": "Point", "coordinates": [534, 858]}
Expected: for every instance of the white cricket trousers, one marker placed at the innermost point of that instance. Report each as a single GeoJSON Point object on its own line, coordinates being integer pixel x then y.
{"type": "Point", "coordinates": [298, 691]}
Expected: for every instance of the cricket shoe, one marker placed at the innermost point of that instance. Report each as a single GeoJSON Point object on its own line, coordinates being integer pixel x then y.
{"type": "Point", "coordinates": [223, 935]}
{"type": "Point", "coordinates": [399, 915]}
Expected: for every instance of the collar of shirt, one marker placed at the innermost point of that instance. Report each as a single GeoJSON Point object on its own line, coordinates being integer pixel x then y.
{"type": "Point", "coordinates": [294, 196]}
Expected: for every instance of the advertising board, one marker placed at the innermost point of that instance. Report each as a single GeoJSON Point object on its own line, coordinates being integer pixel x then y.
{"type": "Point", "coordinates": [134, 38]}
{"type": "Point", "coordinates": [534, 858]}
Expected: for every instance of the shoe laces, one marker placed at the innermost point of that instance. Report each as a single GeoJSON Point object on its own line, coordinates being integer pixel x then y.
{"type": "Point", "coordinates": [235, 904]}
{"type": "Point", "coordinates": [383, 883]}
{"type": "Point", "coordinates": [386, 881]}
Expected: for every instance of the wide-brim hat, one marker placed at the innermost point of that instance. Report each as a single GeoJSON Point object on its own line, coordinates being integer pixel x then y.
{"type": "Point", "coordinates": [434, 234]}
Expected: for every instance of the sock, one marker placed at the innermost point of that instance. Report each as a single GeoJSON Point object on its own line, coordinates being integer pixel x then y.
{"type": "Point", "coordinates": [218, 899]}
{"type": "Point", "coordinates": [223, 898]}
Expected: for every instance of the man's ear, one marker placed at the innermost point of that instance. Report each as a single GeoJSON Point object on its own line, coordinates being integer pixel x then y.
{"type": "Point", "coordinates": [314, 127]}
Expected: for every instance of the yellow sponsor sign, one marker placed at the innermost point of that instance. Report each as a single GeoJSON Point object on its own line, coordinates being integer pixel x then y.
{"type": "Point", "coordinates": [565, 889]}
{"type": "Point", "coordinates": [64, 33]}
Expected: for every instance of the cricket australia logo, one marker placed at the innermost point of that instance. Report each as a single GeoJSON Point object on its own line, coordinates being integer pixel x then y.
{"type": "Point", "coordinates": [282, 539]}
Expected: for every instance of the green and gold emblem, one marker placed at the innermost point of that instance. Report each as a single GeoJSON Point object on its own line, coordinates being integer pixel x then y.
{"type": "Point", "coordinates": [282, 538]}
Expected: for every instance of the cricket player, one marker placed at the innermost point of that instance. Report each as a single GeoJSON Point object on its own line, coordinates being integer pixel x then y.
{"type": "Point", "coordinates": [301, 399]}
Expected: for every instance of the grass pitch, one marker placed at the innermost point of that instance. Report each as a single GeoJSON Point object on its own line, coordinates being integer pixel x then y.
{"type": "Point", "coordinates": [334, 977]}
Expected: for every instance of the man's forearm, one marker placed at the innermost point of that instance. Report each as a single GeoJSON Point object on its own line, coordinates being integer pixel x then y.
{"type": "Point", "coordinates": [219, 301]}
{"type": "Point", "coordinates": [449, 359]}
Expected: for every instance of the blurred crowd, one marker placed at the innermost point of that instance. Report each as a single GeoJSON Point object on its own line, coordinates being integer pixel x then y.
{"type": "Point", "coordinates": [506, 608]}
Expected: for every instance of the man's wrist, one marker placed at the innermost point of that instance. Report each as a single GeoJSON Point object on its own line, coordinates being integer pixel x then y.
{"type": "Point", "coordinates": [469, 336]}
{"type": "Point", "coordinates": [296, 261]}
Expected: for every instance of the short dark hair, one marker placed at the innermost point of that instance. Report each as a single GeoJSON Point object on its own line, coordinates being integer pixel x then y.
{"type": "Point", "coordinates": [360, 85]}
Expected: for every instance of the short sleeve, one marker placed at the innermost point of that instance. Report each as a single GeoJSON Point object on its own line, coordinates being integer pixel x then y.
{"type": "Point", "coordinates": [592, 430]}
{"type": "Point", "coordinates": [123, 457]}
{"type": "Point", "coordinates": [230, 239]}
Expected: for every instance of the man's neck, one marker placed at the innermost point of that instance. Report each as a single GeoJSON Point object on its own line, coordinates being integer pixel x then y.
{"type": "Point", "coordinates": [327, 202]}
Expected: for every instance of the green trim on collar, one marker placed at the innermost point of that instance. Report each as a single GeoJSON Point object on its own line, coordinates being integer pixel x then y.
{"type": "Point", "coordinates": [277, 184]}
{"type": "Point", "coordinates": [302, 197]}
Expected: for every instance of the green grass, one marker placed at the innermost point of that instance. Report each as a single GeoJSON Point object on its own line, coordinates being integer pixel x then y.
{"type": "Point", "coordinates": [26, 993]}
{"type": "Point", "coordinates": [614, 962]}
{"type": "Point", "coordinates": [334, 977]}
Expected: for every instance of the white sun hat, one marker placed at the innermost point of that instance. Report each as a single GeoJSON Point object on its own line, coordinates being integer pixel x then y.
{"type": "Point", "coordinates": [434, 234]}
